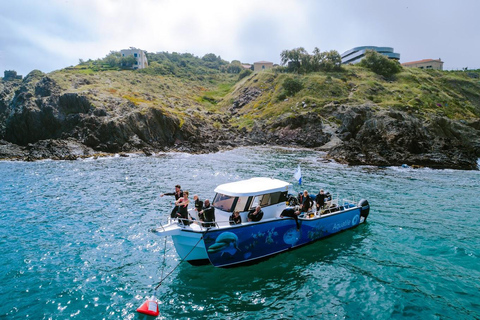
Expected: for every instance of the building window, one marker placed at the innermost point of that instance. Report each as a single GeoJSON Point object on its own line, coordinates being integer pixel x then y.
{"type": "Point", "coordinates": [135, 55]}
{"type": "Point", "coordinates": [429, 67]}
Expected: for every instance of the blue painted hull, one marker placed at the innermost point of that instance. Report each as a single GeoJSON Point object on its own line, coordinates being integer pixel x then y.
{"type": "Point", "coordinates": [248, 242]}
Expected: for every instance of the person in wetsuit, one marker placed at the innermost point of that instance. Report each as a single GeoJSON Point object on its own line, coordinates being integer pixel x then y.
{"type": "Point", "coordinates": [320, 199]}
{"type": "Point", "coordinates": [307, 202]}
{"type": "Point", "coordinates": [255, 215]}
{"type": "Point", "coordinates": [178, 194]}
{"type": "Point", "coordinates": [208, 213]}
{"type": "Point", "coordinates": [290, 212]}
{"type": "Point", "coordinates": [235, 218]}
{"type": "Point", "coordinates": [182, 204]}
{"type": "Point", "coordinates": [198, 206]}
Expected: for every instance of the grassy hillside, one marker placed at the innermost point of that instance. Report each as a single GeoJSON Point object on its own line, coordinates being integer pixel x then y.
{"type": "Point", "coordinates": [133, 89]}
{"type": "Point", "coordinates": [423, 92]}
{"type": "Point", "coordinates": [200, 90]}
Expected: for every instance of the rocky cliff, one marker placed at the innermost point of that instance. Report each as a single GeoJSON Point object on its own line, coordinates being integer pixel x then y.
{"type": "Point", "coordinates": [65, 116]}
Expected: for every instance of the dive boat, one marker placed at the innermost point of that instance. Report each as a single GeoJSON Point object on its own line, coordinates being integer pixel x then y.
{"type": "Point", "coordinates": [226, 245]}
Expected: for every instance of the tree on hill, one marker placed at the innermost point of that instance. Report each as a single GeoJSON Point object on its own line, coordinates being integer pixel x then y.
{"type": "Point", "coordinates": [298, 60]}
{"type": "Point", "coordinates": [380, 64]}
{"type": "Point", "coordinates": [235, 67]}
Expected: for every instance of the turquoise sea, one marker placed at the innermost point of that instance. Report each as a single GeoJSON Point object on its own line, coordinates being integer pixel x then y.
{"type": "Point", "coordinates": [76, 243]}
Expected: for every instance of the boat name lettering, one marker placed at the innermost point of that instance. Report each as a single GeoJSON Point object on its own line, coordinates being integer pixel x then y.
{"type": "Point", "coordinates": [344, 224]}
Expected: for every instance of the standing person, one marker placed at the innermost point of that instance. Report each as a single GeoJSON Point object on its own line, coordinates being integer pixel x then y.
{"type": "Point", "coordinates": [235, 218]}
{"type": "Point", "coordinates": [198, 206]}
{"type": "Point", "coordinates": [208, 213]}
{"type": "Point", "coordinates": [320, 199]}
{"type": "Point", "coordinates": [178, 194]}
{"type": "Point", "coordinates": [182, 205]}
{"type": "Point", "coordinates": [255, 215]}
{"type": "Point", "coordinates": [307, 202]}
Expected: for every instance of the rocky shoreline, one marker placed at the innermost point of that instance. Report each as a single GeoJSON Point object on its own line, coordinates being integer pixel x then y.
{"type": "Point", "coordinates": [39, 120]}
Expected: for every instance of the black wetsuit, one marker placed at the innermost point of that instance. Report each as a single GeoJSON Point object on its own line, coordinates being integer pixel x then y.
{"type": "Point", "coordinates": [290, 212]}
{"type": "Point", "coordinates": [235, 220]}
{"type": "Point", "coordinates": [199, 206]}
{"type": "Point", "coordinates": [209, 214]}
{"type": "Point", "coordinates": [320, 200]}
{"type": "Point", "coordinates": [182, 213]}
{"type": "Point", "coordinates": [179, 195]}
{"type": "Point", "coordinates": [306, 204]}
{"type": "Point", "coordinates": [255, 217]}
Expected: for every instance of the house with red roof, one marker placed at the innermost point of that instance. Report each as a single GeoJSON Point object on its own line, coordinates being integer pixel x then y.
{"type": "Point", "coordinates": [425, 64]}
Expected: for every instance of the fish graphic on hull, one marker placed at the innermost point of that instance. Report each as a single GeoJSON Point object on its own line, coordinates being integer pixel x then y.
{"type": "Point", "coordinates": [227, 242]}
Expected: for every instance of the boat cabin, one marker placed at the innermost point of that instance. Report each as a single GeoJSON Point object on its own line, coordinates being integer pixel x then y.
{"type": "Point", "coordinates": [244, 196]}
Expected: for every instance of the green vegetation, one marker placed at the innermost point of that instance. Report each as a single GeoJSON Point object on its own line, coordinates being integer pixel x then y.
{"type": "Point", "coordinates": [184, 85]}
{"type": "Point", "coordinates": [299, 61]}
{"type": "Point", "coordinates": [291, 86]}
{"type": "Point", "coordinates": [380, 64]}
{"type": "Point", "coordinates": [425, 93]}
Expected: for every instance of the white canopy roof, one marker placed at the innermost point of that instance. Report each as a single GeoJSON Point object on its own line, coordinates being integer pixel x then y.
{"type": "Point", "coordinates": [252, 187]}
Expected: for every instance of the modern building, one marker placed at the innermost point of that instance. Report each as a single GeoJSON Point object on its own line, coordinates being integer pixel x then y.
{"type": "Point", "coordinates": [425, 64]}
{"type": "Point", "coordinates": [262, 65]}
{"type": "Point", "coordinates": [355, 55]}
{"type": "Point", "coordinates": [139, 56]}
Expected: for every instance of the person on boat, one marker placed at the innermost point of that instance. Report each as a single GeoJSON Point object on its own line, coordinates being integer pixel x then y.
{"type": "Point", "coordinates": [178, 194]}
{"type": "Point", "coordinates": [292, 213]}
{"type": "Point", "coordinates": [208, 214]}
{"type": "Point", "coordinates": [320, 199]}
{"type": "Point", "coordinates": [182, 204]}
{"type": "Point", "coordinates": [255, 215]}
{"type": "Point", "coordinates": [198, 206]}
{"type": "Point", "coordinates": [307, 202]}
{"type": "Point", "coordinates": [300, 198]}
{"type": "Point", "coordinates": [235, 218]}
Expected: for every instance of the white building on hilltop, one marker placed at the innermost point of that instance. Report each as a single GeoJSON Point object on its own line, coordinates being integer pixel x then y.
{"type": "Point", "coordinates": [139, 56]}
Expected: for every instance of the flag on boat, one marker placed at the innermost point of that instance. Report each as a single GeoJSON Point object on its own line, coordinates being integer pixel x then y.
{"type": "Point", "coordinates": [298, 175]}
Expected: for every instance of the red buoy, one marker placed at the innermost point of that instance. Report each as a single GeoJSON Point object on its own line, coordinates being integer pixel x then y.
{"type": "Point", "coordinates": [149, 307]}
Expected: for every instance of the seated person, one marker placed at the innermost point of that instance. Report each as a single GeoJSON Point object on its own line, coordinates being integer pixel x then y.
{"type": "Point", "coordinates": [208, 213]}
{"type": "Point", "coordinates": [255, 215]}
{"type": "Point", "coordinates": [235, 218]}
{"type": "Point", "coordinates": [292, 213]}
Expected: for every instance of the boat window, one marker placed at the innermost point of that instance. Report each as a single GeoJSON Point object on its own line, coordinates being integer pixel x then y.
{"type": "Point", "coordinates": [223, 202]}
{"type": "Point", "coordinates": [269, 199]}
{"type": "Point", "coordinates": [278, 197]}
{"type": "Point", "coordinates": [241, 203]}
{"type": "Point", "coordinates": [256, 201]}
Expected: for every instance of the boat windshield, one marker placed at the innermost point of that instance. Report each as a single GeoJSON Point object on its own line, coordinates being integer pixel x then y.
{"type": "Point", "coordinates": [223, 202]}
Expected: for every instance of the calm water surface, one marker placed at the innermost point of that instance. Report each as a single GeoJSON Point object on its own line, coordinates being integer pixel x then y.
{"type": "Point", "coordinates": [75, 242]}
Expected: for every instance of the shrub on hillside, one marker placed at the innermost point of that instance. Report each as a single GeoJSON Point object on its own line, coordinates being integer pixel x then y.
{"type": "Point", "coordinates": [291, 86]}
{"type": "Point", "coordinates": [244, 73]}
{"type": "Point", "coordinates": [380, 64]}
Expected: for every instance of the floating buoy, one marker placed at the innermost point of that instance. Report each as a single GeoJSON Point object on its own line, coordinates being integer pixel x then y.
{"type": "Point", "coordinates": [149, 307]}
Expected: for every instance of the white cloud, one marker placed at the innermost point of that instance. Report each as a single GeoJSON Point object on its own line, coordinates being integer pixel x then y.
{"type": "Point", "coordinates": [52, 34]}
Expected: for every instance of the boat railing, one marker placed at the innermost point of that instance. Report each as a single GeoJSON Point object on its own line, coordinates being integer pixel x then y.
{"type": "Point", "coordinates": [336, 204]}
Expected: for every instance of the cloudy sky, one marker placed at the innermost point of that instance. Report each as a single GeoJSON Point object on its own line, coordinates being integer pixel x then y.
{"type": "Point", "coordinates": [53, 34]}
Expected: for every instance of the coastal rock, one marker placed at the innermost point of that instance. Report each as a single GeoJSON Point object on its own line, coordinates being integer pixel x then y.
{"type": "Point", "coordinates": [391, 137]}
{"type": "Point", "coordinates": [40, 119]}
{"type": "Point", "coordinates": [11, 151]}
